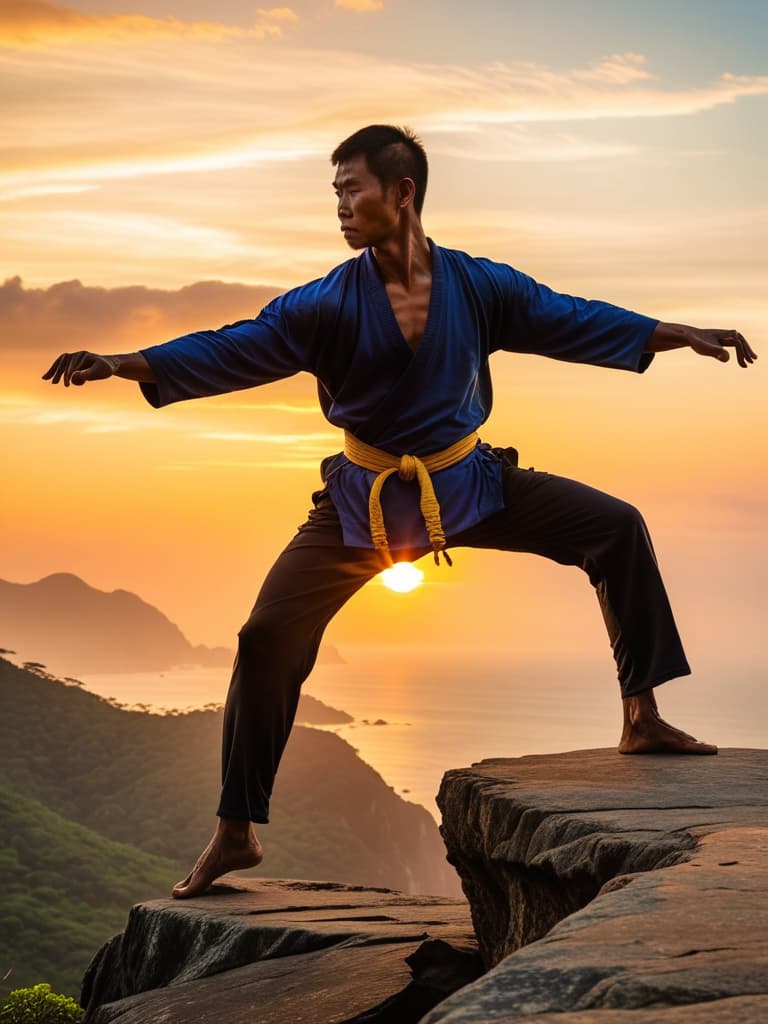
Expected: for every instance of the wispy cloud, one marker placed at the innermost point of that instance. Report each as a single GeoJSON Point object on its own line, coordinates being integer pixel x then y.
{"type": "Point", "coordinates": [520, 144]}
{"type": "Point", "coordinates": [90, 420]}
{"type": "Point", "coordinates": [68, 412]}
{"type": "Point", "coordinates": [616, 86]}
{"type": "Point", "coordinates": [360, 6]}
{"type": "Point", "coordinates": [198, 464]}
{"type": "Point", "coordinates": [107, 168]}
{"type": "Point", "coordinates": [617, 69]}
{"type": "Point", "coordinates": [285, 14]}
{"type": "Point", "coordinates": [201, 107]}
{"type": "Point", "coordinates": [36, 23]}
{"type": "Point", "coordinates": [292, 408]}
{"type": "Point", "coordinates": [294, 440]}
{"type": "Point", "coordinates": [147, 233]}
{"type": "Point", "coordinates": [32, 191]}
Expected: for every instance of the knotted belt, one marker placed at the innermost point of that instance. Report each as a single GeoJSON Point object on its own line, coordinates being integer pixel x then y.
{"type": "Point", "coordinates": [408, 467]}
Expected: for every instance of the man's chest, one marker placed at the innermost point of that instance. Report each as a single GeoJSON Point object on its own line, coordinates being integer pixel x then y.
{"type": "Point", "coordinates": [382, 340]}
{"type": "Point", "coordinates": [410, 309]}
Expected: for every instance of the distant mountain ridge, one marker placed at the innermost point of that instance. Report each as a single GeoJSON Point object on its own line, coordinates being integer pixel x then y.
{"type": "Point", "coordinates": [75, 629]}
{"type": "Point", "coordinates": [72, 627]}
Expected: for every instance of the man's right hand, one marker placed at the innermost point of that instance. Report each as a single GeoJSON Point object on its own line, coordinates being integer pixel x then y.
{"type": "Point", "coordinates": [79, 367]}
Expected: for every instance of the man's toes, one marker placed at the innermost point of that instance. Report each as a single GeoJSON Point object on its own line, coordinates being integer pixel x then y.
{"type": "Point", "coordinates": [183, 894]}
{"type": "Point", "coordinates": [179, 888]}
{"type": "Point", "coordinates": [697, 747]}
{"type": "Point", "coordinates": [686, 744]}
{"type": "Point", "coordinates": [193, 885]}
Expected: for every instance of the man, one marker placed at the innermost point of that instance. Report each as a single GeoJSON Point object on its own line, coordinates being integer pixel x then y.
{"type": "Point", "coordinates": [398, 339]}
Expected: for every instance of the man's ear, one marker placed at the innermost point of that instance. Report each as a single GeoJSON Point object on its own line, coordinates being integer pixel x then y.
{"type": "Point", "coordinates": [406, 192]}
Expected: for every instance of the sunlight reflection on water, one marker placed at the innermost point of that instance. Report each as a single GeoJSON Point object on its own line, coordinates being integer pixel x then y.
{"type": "Point", "coordinates": [449, 709]}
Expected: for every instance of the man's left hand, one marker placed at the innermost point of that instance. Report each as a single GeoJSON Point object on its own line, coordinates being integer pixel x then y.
{"type": "Point", "coordinates": [715, 343]}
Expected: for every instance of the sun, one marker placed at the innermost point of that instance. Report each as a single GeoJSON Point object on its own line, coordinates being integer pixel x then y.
{"type": "Point", "coordinates": [402, 577]}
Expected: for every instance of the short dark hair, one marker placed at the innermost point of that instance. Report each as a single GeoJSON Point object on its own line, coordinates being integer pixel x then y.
{"type": "Point", "coordinates": [391, 154]}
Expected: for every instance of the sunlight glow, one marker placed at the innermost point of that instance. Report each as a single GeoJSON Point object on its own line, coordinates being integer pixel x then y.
{"type": "Point", "coordinates": [402, 577]}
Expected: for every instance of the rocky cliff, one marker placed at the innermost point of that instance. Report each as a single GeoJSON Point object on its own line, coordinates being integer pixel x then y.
{"type": "Point", "coordinates": [602, 890]}
{"type": "Point", "coordinates": [277, 951]}
{"type": "Point", "coordinates": [606, 889]}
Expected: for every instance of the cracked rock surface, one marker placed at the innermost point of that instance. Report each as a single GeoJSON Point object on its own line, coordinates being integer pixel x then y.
{"type": "Point", "coordinates": [608, 889]}
{"type": "Point", "coordinates": [277, 950]}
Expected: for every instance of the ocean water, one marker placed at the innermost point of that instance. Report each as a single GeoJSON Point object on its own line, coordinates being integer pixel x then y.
{"type": "Point", "coordinates": [449, 709]}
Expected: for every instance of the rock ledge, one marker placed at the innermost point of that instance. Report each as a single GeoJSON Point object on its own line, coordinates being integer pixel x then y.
{"type": "Point", "coordinates": [274, 950]}
{"type": "Point", "coordinates": [654, 867]}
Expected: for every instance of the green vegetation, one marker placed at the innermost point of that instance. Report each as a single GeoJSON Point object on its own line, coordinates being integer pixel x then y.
{"type": "Point", "coordinates": [39, 1005]}
{"type": "Point", "coordinates": [65, 891]}
{"type": "Point", "coordinates": [104, 807]}
{"type": "Point", "coordinates": [153, 781]}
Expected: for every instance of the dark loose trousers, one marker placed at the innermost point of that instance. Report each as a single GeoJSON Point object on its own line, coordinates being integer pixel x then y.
{"type": "Point", "coordinates": [316, 574]}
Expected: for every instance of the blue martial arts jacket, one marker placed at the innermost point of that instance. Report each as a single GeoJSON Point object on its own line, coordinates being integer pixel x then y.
{"type": "Point", "coordinates": [341, 328]}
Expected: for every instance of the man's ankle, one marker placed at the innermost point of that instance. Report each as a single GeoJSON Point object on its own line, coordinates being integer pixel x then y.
{"type": "Point", "coordinates": [234, 828]}
{"type": "Point", "coordinates": [642, 708]}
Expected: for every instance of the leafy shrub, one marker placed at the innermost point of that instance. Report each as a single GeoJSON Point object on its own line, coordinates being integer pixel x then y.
{"type": "Point", "coordinates": [39, 1005]}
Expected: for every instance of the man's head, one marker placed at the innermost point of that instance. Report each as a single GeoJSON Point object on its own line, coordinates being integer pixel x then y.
{"type": "Point", "coordinates": [391, 155]}
{"type": "Point", "coordinates": [380, 180]}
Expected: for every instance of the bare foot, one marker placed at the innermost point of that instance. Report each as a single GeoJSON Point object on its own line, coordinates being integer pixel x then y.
{"type": "Point", "coordinates": [233, 847]}
{"type": "Point", "coordinates": [646, 732]}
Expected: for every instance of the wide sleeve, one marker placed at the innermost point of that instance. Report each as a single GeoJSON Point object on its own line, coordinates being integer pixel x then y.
{"type": "Point", "coordinates": [280, 342]}
{"type": "Point", "coordinates": [535, 319]}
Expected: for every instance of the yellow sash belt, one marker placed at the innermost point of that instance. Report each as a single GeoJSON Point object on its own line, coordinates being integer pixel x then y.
{"type": "Point", "coordinates": [408, 467]}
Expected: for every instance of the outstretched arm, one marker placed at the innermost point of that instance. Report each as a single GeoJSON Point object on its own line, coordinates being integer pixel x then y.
{"type": "Point", "coordinates": [703, 340]}
{"type": "Point", "coordinates": [282, 340]}
{"type": "Point", "coordinates": [79, 367]}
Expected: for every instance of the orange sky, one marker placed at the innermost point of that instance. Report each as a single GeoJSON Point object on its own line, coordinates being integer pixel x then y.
{"type": "Point", "coordinates": [148, 149]}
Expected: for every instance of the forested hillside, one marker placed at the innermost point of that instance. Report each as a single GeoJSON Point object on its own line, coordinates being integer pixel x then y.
{"type": "Point", "coordinates": [65, 890]}
{"type": "Point", "coordinates": [102, 807]}
{"type": "Point", "coordinates": [153, 781]}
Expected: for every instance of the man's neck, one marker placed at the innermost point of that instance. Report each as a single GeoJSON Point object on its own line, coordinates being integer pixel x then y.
{"type": "Point", "coordinates": [406, 257]}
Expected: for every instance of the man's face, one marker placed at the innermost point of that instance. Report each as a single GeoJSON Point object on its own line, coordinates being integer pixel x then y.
{"type": "Point", "coordinates": [369, 213]}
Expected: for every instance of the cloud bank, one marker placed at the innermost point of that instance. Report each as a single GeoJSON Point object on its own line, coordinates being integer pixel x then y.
{"type": "Point", "coordinates": [70, 315]}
